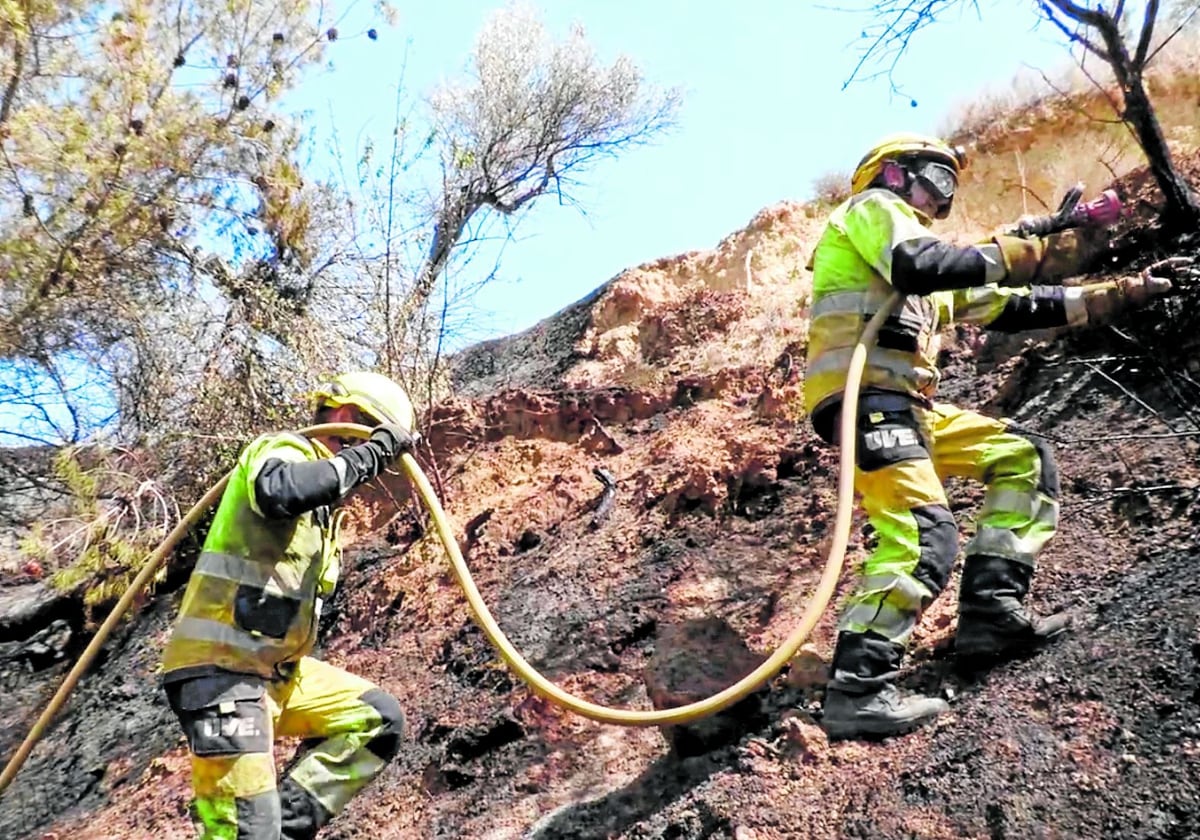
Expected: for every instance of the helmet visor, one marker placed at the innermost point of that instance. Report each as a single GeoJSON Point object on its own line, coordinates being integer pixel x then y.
{"type": "Point", "coordinates": [937, 177]}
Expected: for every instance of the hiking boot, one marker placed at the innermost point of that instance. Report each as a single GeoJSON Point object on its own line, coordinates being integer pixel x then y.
{"type": "Point", "coordinates": [1007, 635]}
{"type": "Point", "coordinates": [881, 714]}
{"type": "Point", "coordinates": [861, 700]}
{"type": "Point", "coordinates": [993, 623]}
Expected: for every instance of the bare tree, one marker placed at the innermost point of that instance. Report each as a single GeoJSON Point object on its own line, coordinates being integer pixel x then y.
{"type": "Point", "coordinates": [1101, 30]}
{"type": "Point", "coordinates": [532, 116]}
{"type": "Point", "coordinates": [438, 203]}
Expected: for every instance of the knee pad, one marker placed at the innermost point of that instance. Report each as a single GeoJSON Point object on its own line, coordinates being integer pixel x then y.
{"type": "Point", "coordinates": [387, 743]}
{"type": "Point", "coordinates": [1048, 483]}
{"type": "Point", "coordinates": [938, 537]}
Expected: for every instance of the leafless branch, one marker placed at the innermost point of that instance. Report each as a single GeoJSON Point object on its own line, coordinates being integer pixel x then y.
{"type": "Point", "coordinates": [1143, 44]}
{"type": "Point", "coordinates": [1074, 35]}
{"type": "Point", "coordinates": [1191, 14]}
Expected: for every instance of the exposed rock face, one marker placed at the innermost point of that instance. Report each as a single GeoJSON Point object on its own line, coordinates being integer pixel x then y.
{"type": "Point", "coordinates": [700, 312]}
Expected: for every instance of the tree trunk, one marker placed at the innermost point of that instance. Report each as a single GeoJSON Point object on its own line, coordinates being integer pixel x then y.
{"type": "Point", "coordinates": [1182, 208]}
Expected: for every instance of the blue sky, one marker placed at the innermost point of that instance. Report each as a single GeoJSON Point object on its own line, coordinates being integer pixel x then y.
{"type": "Point", "coordinates": [764, 114]}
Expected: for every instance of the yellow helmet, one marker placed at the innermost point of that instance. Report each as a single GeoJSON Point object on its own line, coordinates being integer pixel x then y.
{"type": "Point", "coordinates": [896, 146]}
{"type": "Point", "coordinates": [376, 396]}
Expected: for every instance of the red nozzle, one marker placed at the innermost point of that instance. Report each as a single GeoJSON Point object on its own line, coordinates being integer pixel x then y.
{"type": "Point", "coordinates": [1103, 210]}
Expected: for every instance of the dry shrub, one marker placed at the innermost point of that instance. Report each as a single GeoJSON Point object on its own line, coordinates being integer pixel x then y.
{"type": "Point", "coordinates": [1032, 140]}
{"type": "Point", "coordinates": [832, 188]}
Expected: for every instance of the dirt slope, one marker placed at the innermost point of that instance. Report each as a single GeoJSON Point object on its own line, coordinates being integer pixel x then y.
{"type": "Point", "coordinates": [679, 378]}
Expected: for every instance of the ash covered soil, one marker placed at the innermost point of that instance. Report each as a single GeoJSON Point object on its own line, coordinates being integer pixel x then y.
{"type": "Point", "coordinates": [713, 546]}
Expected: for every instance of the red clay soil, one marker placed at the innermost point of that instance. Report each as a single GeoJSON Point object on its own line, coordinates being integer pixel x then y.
{"type": "Point", "coordinates": [722, 512]}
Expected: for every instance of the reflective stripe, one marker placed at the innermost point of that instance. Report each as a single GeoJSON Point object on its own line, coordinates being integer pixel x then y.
{"type": "Point", "coordinates": [1035, 507]}
{"type": "Point", "coordinates": [1047, 512]}
{"type": "Point", "coordinates": [1007, 500]}
{"type": "Point", "coordinates": [878, 615]}
{"type": "Point", "coordinates": [904, 588]}
{"type": "Point", "coordinates": [865, 303]}
{"type": "Point", "coordinates": [234, 568]}
{"type": "Point", "coordinates": [900, 365]}
{"type": "Point", "coordinates": [334, 784]}
{"type": "Point", "coordinates": [1000, 542]}
{"type": "Point", "coordinates": [886, 604]}
{"type": "Point", "coordinates": [191, 628]}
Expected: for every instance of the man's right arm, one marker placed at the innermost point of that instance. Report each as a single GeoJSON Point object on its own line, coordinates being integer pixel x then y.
{"type": "Point", "coordinates": [888, 235]}
{"type": "Point", "coordinates": [285, 489]}
{"type": "Point", "coordinates": [1012, 309]}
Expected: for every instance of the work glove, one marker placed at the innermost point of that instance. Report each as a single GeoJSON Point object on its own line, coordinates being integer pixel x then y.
{"type": "Point", "coordinates": [1042, 259]}
{"type": "Point", "coordinates": [1102, 211]}
{"type": "Point", "coordinates": [393, 439]}
{"type": "Point", "coordinates": [368, 459]}
{"type": "Point", "coordinates": [1105, 300]}
{"type": "Point", "coordinates": [1022, 259]}
{"type": "Point", "coordinates": [1138, 290]}
{"type": "Point", "coordinates": [1061, 219]}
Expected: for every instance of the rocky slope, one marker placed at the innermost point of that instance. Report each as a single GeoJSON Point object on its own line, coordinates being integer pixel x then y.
{"type": "Point", "coordinates": [679, 380]}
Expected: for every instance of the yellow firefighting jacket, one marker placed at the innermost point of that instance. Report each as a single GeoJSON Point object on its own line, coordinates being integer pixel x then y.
{"type": "Point", "coordinates": [254, 599]}
{"type": "Point", "coordinates": [874, 243]}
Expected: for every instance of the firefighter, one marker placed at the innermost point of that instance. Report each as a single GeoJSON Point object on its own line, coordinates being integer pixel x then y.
{"type": "Point", "coordinates": [876, 242]}
{"type": "Point", "coordinates": [237, 669]}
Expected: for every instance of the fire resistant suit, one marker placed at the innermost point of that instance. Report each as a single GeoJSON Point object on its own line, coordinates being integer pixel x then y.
{"type": "Point", "coordinates": [236, 669]}
{"type": "Point", "coordinates": [907, 443]}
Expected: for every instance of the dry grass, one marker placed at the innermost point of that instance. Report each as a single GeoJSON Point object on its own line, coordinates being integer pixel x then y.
{"type": "Point", "coordinates": [1033, 138]}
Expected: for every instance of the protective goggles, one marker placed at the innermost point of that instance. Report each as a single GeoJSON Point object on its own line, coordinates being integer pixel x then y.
{"type": "Point", "coordinates": [939, 177]}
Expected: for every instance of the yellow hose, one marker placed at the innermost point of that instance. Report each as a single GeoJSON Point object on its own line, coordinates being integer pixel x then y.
{"type": "Point", "coordinates": [541, 685]}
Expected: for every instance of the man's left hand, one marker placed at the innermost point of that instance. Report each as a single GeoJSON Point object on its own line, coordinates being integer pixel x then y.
{"type": "Point", "coordinates": [394, 439]}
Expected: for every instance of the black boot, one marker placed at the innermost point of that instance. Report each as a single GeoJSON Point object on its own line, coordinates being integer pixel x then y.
{"type": "Point", "coordinates": [993, 623]}
{"type": "Point", "coordinates": [861, 700]}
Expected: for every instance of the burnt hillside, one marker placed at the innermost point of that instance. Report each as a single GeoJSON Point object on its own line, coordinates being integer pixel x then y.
{"type": "Point", "coordinates": [680, 379]}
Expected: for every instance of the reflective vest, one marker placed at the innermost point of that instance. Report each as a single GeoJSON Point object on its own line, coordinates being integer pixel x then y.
{"type": "Point", "coordinates": [254, 599]}
{"type": "Point", "coordinates": [851, 280]}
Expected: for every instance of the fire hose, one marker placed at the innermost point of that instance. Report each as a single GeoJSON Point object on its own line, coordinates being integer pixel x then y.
{"type": "Point", "coordinates": [483, 616]}
{"type": "Point", "coordinates": [1103, 210]}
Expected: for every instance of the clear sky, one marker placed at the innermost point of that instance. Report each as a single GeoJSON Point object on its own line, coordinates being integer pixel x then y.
{"type": "Point", "coordinates": [763, 115]}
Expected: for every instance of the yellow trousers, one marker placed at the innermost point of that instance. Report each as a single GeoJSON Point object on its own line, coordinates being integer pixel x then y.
{"type": "Point", "coordinates": [231, 721]}
{"type": "Point", "coordinates": [905, 450]}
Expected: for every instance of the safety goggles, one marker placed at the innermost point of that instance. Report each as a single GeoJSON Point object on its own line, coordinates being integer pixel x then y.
{"type": "Point", "coordinates": [939, 177]}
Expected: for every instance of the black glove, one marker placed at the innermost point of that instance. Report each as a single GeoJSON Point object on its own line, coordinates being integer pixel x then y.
{"type": "Point", "coordinates": [394, 439]}
{"type": "Point", "coordinates": [363, 462]}
{"type": "Point", "coordinates": [1060, 220]}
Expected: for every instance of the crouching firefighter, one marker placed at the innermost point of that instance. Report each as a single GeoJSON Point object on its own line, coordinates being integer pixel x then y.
{"type": "Point", "coordinates": [236, 669]}
{"type": "Point", "coordinates": [876, 242]}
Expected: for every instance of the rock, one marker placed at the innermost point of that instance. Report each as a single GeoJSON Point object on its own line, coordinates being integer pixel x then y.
{"type": "Point", "coordinates": [693, 661]}
{"type": "Point", "coordinates": [808, 669]}
{"type": "Point", "coordinates": [529, 540]}
{"type": "Point", "coordinates": [804, 736]}
{"type": "Point", "coordinates": [28, 608]}
{"type": "Point", "coordinates": [41, 650]}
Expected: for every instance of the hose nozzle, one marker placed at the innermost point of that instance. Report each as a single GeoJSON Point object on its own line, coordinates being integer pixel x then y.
{"type": "Point", "coordinates": [1103, 210]}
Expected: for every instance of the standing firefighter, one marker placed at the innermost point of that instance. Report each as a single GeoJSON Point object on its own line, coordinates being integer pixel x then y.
{"type": "Point", "coordinates": [236, 669]}
{"type": "Point", "coordinates": [875, 243]}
